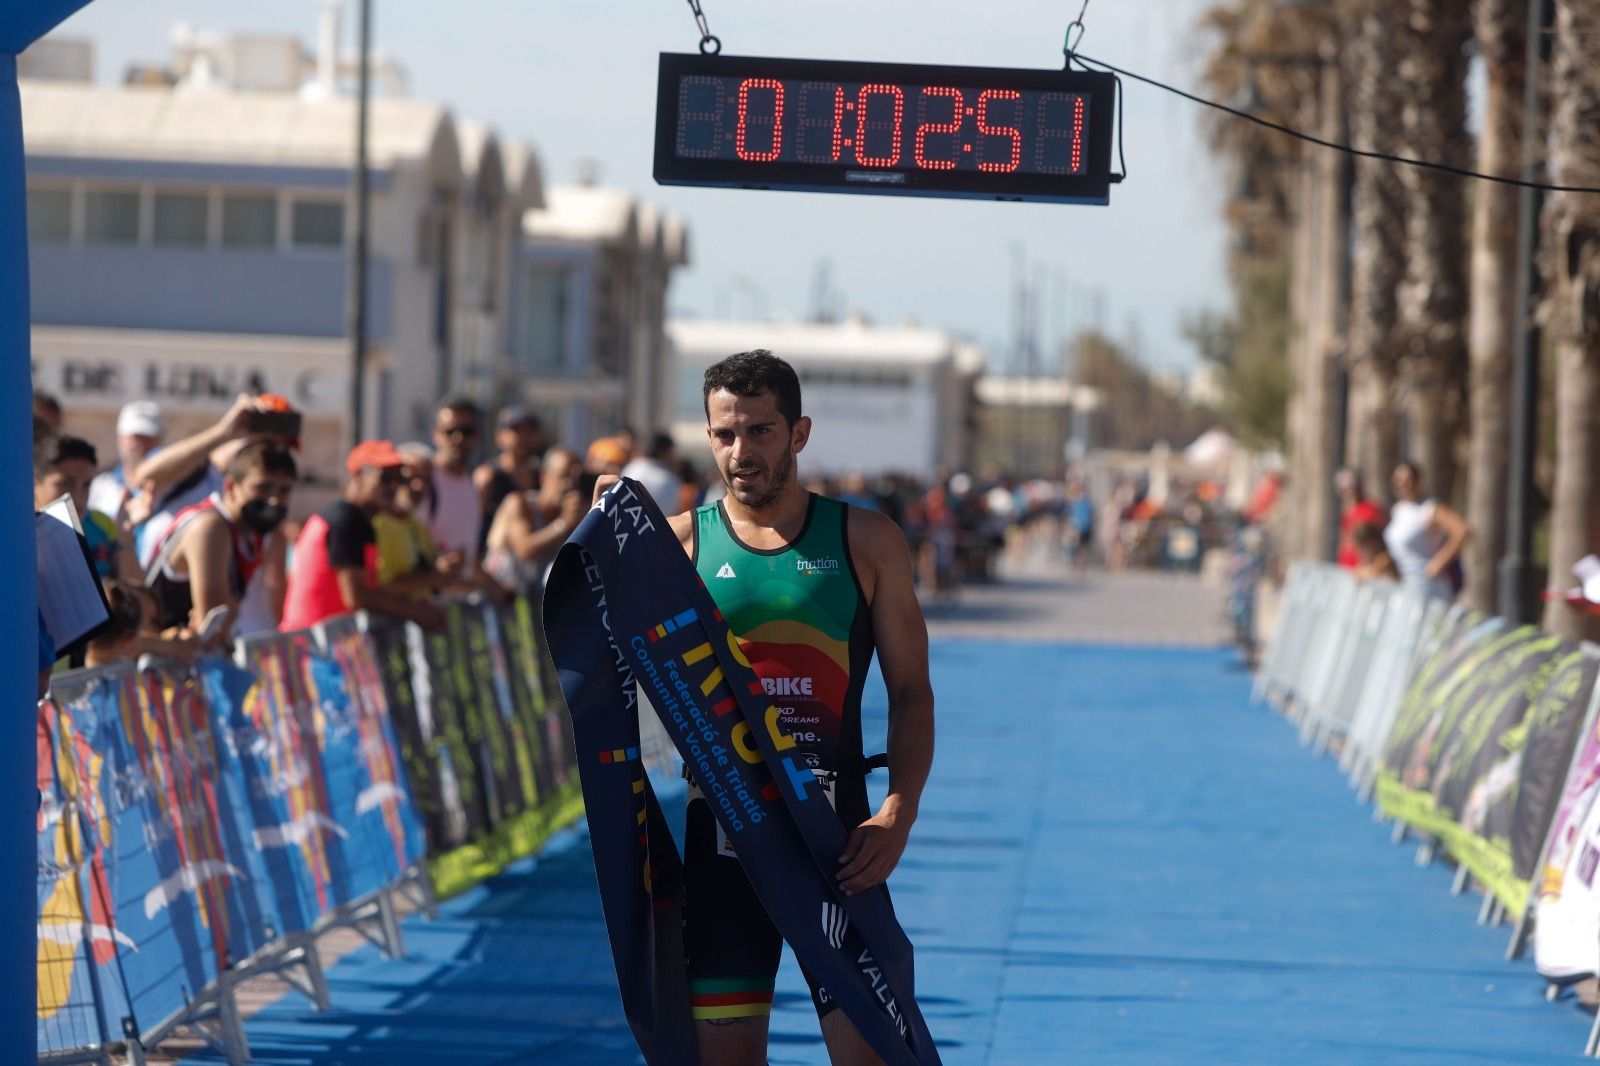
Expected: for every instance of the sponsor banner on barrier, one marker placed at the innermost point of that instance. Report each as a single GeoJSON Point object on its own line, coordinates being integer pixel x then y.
{"type": "Point", "coordinates": [76, 931]}
{"type": "Point", "coordinates": [459, 743]}
{"type": "Point", "coordinates": [385, 829]}
{"type": "Point", "coordinates": [1555, 727]}
{"type": "Point", "coordinates": [481, 669]}
{"type": "Point", "coordinates": [1568, 925]}
{"type": "Point", "coordinates": [192, 816]}
{"type": "Point", "coordinates": [175, 889]}
{"type": "Point", "coordinates": [1480, 768]}
{"type": "Point", "coordinates": [1508, 809]}
{"type": "Point", "coordinates": [1407, 769]}
{"type": "Point", "coordinates": [291, 826]}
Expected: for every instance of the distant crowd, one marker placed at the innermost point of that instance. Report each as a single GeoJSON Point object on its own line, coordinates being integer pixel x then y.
{"type": "Point", "coordinates": [192, 542]}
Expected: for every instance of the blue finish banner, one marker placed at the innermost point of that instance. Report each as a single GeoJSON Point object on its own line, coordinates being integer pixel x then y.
{"type": "Point", "coordinates": [623, 604]}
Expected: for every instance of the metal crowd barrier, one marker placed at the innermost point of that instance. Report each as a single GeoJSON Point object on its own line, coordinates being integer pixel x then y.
{"type": "Point", "coordinates": [202, 825]}
{"type": "Point", "coordinates": [1479, 738]}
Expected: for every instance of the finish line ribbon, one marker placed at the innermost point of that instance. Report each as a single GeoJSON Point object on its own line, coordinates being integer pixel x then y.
{"type": "Point", "coordinates": [623, 602]}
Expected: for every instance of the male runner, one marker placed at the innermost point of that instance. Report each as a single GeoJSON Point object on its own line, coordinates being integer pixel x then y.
{"type": "Point", "coordinates": [810, 586]}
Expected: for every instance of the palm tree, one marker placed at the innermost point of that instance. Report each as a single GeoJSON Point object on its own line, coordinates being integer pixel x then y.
{"type": "Point", "coordinates": [1377, 261]}
{"type": "Point", "coordinates": [1266, 57]}
{"type": "Point", "coordinates": [1433, 296]}
{"type": "Point", "coordinates": [1501, 30]}
{"type": "Point", "coordinates": [1571, 309]}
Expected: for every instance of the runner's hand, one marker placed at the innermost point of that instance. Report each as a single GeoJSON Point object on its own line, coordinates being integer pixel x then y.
{"type": "Point", "coordinates": [875, 848]}
{"type": "Point", "coordinates": [603, 482]}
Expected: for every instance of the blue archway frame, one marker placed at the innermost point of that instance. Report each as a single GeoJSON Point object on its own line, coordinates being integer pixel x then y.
{"type": "Point", "coordinates": [21, 23]}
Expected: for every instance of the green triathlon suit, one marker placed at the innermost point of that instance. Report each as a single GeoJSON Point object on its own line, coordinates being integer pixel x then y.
{"type": "Point", "coordinates": [802, 620]}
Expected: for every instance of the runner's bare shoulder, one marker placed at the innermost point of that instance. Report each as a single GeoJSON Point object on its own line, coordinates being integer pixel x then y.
{"type": "Point", "coordinates": [877, 547]}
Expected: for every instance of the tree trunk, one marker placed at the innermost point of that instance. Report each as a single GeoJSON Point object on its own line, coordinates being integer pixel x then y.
{"type": "Point", "coordinates": [1325, 218]}
{"type": "Point", "coordinates": [1377, 255]}
{"type": "Point", "coordinates": [1433, 297]}
{"type": "Point", "coordinates": [1501, 29]}
{"type": "Point", "coordinates": [1571, 308]}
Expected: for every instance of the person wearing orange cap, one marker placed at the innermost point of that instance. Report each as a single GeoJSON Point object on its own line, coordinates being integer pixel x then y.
{"type": "Point", "coordinates": [185, 473]}
{"type": "Point", "coordinates": [335, 568]}
{"type": "Point", "coordinates": [608, 455]}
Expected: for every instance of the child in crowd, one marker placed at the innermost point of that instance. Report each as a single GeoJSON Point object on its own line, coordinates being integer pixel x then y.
{"type": "Point", "coordinates": [1372, 557]}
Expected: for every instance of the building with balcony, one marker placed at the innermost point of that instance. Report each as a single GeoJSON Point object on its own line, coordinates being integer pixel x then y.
{"type": "Point", "coordinates": [883, 400]}
{"type": "Point", "coordinates": [589, 352]}
{"type": "Point", "coordinates": [189, 239]}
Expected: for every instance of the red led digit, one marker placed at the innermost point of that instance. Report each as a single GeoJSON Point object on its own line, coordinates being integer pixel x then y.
{"type": "Point", "coordinates": [925, 128]}
{"type": "Point", "coordinates": [862, 125]}
{"type": "Point", "coordinates": [1011, 132]}
{"type": "Point", "coordinates": [744, 120]}
{"type": "Point", "coordinates": [1059, 140]}
{"type": "Point", "coordinates": [1077, 134]}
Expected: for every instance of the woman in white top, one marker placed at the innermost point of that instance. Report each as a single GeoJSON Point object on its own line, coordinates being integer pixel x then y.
{"type": "Point", "coordinates": [1424, 536]}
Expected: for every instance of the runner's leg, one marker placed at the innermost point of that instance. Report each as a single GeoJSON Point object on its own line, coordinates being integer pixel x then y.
{"type": "Point", "coordinates": [846, 1045]}
{"type": "Point", "coordinates": [733, 947]}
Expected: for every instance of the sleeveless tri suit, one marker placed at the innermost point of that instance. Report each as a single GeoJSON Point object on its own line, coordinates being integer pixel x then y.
{"type": "Point", "coordinates": [802, 620]}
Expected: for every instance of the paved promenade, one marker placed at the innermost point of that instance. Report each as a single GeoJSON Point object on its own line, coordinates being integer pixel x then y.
{"type": "Point", "coordinates": [1119, 861]}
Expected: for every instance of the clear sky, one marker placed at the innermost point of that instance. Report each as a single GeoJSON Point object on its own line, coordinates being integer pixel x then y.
{"type": "Point", "coordinates": [577, 81]}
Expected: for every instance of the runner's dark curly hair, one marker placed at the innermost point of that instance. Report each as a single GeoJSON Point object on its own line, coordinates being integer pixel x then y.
{"type": "Point", "coordinates": [752, 373]}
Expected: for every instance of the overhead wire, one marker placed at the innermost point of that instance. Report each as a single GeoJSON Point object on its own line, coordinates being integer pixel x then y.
{"type": "Point", "coordinates": [1088, 61]}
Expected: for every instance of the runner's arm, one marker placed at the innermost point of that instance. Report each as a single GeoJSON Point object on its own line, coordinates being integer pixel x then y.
{"type": "Point", "coordinates": [884, 562]}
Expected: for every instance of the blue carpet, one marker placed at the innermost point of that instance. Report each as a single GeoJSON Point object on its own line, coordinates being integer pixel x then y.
{"type": "Point", "coordinates": [1118, 861]}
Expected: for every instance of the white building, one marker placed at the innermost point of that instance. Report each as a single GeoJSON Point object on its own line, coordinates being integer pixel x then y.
{"type": "Point", "coordinates": [883, 400]}
{"type": "Point", "coordinates": [589, 349]}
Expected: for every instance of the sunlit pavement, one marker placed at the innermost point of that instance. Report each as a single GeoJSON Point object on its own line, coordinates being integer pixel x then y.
{"type": "Point", "coordinates": [1118, 861]}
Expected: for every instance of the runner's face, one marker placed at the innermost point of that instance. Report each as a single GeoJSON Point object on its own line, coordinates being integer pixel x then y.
{"type": "Point", "coordinates": [753, 446]}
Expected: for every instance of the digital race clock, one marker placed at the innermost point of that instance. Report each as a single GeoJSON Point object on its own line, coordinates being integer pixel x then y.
{"type": "Point", "coordinates": [890, 128]}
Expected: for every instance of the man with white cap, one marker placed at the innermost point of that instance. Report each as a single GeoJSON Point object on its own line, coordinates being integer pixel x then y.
{"type": "Point", "coordinates": [139, 432]}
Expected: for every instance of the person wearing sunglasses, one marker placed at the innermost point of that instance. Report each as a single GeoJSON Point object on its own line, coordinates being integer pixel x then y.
{"type": "Point", "coordinates": [456, 518]}
{"type": "Point", "coordinates": [335, 566]}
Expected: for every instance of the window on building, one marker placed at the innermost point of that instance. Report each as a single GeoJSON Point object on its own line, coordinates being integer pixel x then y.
{"type": "Point", "coordinates": [317, 224]}
{"type": "Point", "coordinates": [249, 221]}
{"type": "Point", "coordinates": [545, 328]}
{"type": "Point", "coordinates": [111, 217]}
{"type": "Point", "coordinates": [49, 215]}
{"type": "Point", "coordinates": [180, 219]}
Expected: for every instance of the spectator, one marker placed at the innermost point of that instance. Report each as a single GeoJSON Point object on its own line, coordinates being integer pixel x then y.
{"type": "Point", "coordinates": [47, 409]}
{"type": "Point", "coordinates": [211, 550]}
{"type": "Point", "coordinates": [1080, 524]}
{"type": "Point", "coordinates": [408, 560]}
{"type": "Point", "coordinates": [1355, 510]}
{"type": "Point", "coordinates": [64, 466]}
{"type": "Point", "coordinates": [1372, 558]}
{"type": "Point", "coordinates": [187, 471]}
{"type": "Point", "coordinates": [139, 433]}
{"type": "Point", "coordinates": [855, 491]}
{"type": "Point", "coordinates": [120, 637]}
{"type": "Point", "coordinates": [628, 441]}
{"type": "Point", "coordinates": [456, 517]}
{"type": "Point", "coordinates": [1424, 536]}
{"type": "Point", "coordinates": [519, 436]}
{"type": "Point", "coordinates": [608, 455]}
{"type": "Point", "coordinates": [335, 567]}
{"type": "Point", "coordinates": [530, 527]}
{"type": "Point", "coordinates": [654, 470]}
